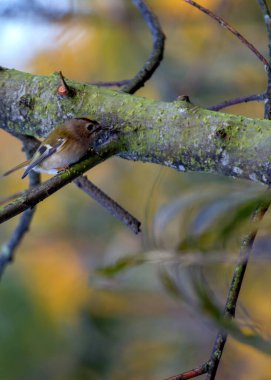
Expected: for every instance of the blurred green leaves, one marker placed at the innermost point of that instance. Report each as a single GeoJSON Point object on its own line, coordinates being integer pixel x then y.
{"type": "Point", "coordinates": [209, 220]}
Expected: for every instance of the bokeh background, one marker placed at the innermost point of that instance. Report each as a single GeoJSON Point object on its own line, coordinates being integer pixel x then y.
{"type": "Point", "coordinates": [85, 298]}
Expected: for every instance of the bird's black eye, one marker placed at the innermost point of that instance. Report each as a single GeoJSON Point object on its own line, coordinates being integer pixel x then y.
{"type": "Point", "coordinates": [90, 127]}
{"type": "Point", "coordinates": [93, 126]}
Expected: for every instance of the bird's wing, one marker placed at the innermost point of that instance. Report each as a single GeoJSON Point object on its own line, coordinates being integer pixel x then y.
{"type": "Point", "coordinates": [21, 165]}
{"type": "Point", "coordinates": [43, 152]}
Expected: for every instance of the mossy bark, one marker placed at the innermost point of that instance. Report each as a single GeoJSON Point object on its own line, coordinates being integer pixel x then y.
{"type": "Point", "coordinates": [175, 134]}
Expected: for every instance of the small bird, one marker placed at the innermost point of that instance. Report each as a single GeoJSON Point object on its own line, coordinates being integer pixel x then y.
{"type": "Point", "coordinates": [65, 145]}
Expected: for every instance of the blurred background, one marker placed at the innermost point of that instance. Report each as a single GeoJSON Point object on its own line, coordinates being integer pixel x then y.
{"type": "Point", "coordinates": [85, 298]}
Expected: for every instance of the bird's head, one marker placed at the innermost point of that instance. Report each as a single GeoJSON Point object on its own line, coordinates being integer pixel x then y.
{"type": "Point", "coordinates": [83, 128]}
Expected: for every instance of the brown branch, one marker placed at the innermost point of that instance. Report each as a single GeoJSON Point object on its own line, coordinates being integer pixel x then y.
{"type": "Point", "coordinates": [242, 99]}
{"type": "Point", "coordinates": [63, 89]}
{"type": "Point", "coordinates": [111, 84]}
{"type": "Point", "coordinates": [8, 249]}
{"type": "Point", "coordinates": [108, 203]}
{"type": "Point", "coordinates": [157, 51]}
{"type": "Point", "coordinates": [267, 19]}
{"type": "Point", "coordinates": [33, 196]}
{"type": "Point", "coordinates": [235, 287]}
{"type": "Point", "coordinates": [191, 374]}
{"type": "Point", "coordinates": [134, 84]}
{"type": "Point", "coordinates": [231, 29]}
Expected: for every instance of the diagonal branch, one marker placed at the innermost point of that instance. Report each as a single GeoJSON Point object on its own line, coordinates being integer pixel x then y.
{"type": "Point", "coordinates": [37, 194]}
{"type": "Point", "coordinates": [235, 287]}
{"type": "Point", "coordinates": [242, 99]}
{"type": "Point", "coordinates": [8, 249]}
{"type": "Point", "coordinates": [192, 373]}
{"type": "Point", "coordinates": [119, 83]}
{"type": "Point", "coordinates": [108, 203]}
{"type": "Point", "coordinates": [267, 19]}
{"type": "Point", "coordinates": [231, 29]}
{"type": "Point", "coordinates": [157, 52]}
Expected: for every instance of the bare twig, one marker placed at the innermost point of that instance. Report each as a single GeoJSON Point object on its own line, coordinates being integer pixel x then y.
{"type": "Point", "coordinates": [235, 287]}
{"type": "Point", "coordinates": [267, 19]}
{"type": "Point", "coordinates": [110, 205]}
{"type": "Point", "coordinates": [191, 374]}
{"type": "Point", "coordinates": [8, 249]}
{"type": "Point", "coordinates": [231, 29]}
{"type": "Point", "coordinates": [134, 84]}
{"type": "Point", "coordinates": [157, 52]}
{"type": "Point", "coordinates": [242, 99]}
{"type": "Point", "coordinates": [111, 84]}
{"type": "Point", "coordinates": [240, 269]}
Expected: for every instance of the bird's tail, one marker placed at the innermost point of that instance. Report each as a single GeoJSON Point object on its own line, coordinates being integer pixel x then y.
{"type": "Point", "coordinates": [20, 166]}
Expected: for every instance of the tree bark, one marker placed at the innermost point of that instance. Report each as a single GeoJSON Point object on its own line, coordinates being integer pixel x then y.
{"type": "Point", "coordinates": [175, 134]}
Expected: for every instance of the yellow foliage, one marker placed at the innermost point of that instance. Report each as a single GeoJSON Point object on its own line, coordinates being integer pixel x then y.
{"type": "Point", "coordinates": [57, 279]}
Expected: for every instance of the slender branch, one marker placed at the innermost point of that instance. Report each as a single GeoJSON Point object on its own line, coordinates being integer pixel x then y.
{"type": "Point", "coordinates": [8, 249]}
{"type": "Point", "coordinates": [240, 269]}
{"type": "Point", "coordinates": [235, 287]}
{"type": "Point", "coordinates": [267, 19]}
{"type": "Point", "coordinates": [231, 29]}
{"type": "Point", "coordinates": [191, 374]}
{"type": "Point", "coordinates": [157, 52]}
{"type": "Point", "coordinates": [37, 194]}
{"type": "Point", "coordinates": [242, 99]}
{"type": "Point", "coordinates": [111, 84]}
{"type": "Point", "coordinates": [108, 203]}
{"type": "Point", "coordinates": [134, 84]}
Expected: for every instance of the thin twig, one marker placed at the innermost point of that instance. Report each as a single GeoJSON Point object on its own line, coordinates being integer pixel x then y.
{"type": "Point", "coordinates": [267, 19]}
{"type": "Point", "coordinates": [231, 29]}
{"type": "Point", "coordinates": [235, 287]}
{"type": "Point", "coordinates": [191, 374]}
{"type": "Point", "coordinates": [111, 84]}
{"type": "Point", "coordinates": [157, 51]}
{"type": "Point", "coordinates": [134, 84]}
{"type": "Point", "coordinates": [242, 99]}
{"type": "Point", "coordinates": [240, 269]}
{"type": "Point", "coordinates": [8, 249]}
{"type": "Point", "coordinates": [210, 367]}
{"type": "Point", "coordinates": [108, 203]}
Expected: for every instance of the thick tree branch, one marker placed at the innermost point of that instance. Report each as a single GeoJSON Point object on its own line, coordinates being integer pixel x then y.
{"type": "Point", "coordinates": [176, 134]}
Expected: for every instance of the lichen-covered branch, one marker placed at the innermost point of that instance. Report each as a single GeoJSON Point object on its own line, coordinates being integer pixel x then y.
{"type": "Point", "coordinates": [33, 196]}
{"type": "Point", "coordinates": [175, 134]}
